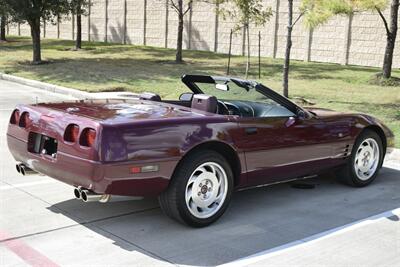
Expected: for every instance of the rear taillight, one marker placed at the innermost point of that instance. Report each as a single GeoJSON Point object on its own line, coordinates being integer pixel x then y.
{"type": "Point", "coordinates": [25, 120]}
{"type": "Point", "coordinates": [87, 137]}
{"type": "Point", "coordinates": [15, 117]}
{"type": "Point", "coordinates": [71, 133]}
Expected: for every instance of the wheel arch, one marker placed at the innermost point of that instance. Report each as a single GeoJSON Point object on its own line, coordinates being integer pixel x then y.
{"type": "Point", "coordinates": [222, 148]}
{"type": "Point", "coordinates": [380, 132]}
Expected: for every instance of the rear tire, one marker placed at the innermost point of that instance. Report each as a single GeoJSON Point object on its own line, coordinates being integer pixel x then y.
{"type": "Point", "coordinates": [200, 189]}
{"type": "Point", "coordinates": [365, 160]}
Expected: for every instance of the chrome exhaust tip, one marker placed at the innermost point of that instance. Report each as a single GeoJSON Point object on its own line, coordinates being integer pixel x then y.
{"type": "Point", "coordinates": [25, 170]}
{"type": "Point", "coordinates": [89, 196]}
{"type": "Point", "coordinates": [17, 166]}
{"type": "Point", "coordinates": [77, 192]}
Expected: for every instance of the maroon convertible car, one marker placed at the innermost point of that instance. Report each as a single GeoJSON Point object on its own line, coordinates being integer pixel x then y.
{"type": "Point", "coordinates": [225, 134]}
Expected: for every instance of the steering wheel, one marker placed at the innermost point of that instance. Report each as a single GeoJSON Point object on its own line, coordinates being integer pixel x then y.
{"type": "Point", "coordinates": [239, 112]}
{"type": "Point", "coordinates": [224, 111]}
{"type": "Point", "coordinates": [250, 107]}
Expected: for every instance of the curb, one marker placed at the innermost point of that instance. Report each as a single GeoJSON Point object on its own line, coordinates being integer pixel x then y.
{"type": "Point", "coordinates": [46, 86]}
{"type": "Point", "coordinates": [393, 159]}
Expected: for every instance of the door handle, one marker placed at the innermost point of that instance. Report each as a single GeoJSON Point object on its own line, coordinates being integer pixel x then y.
{"type": "Point", "coordinates": [251, 130]}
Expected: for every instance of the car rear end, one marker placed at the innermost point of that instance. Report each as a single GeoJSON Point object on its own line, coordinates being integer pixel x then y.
{"type": "Point", "coordinates": [102, 146]}
{"type": "Point", "coordinates": [61, 145]}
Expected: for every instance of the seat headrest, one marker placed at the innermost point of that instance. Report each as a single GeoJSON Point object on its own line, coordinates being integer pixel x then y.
{"type": "Point", "coordinates": [150, 96]}
{"type": "Point", "coordinates": [205, 103]}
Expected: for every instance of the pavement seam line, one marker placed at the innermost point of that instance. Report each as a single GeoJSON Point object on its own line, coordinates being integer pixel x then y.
{"type": "Point", "coordinates": [86, 223]}
{"type": "Point", "coordinates": [260, 256]}
{"type": "Point", "coordinates": [77, 224]}
{"type": "Point", "coordinates": [28, 184]}
{"type": "Point", "coordinates": [135, 245]}
{"type": "Point", "coordinates": [76, 218]}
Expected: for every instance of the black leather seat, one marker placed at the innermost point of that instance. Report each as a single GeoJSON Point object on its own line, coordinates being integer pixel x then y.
{"type": "Point", "coordinates": [205, 103]}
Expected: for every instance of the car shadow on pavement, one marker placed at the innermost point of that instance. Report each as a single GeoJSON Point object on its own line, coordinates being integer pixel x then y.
{"type": "Point", "coordinates": [258, 219]}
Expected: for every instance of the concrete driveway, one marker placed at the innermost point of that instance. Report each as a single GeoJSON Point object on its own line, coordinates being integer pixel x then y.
{"type": "Point", "coordinates": [41, 224]}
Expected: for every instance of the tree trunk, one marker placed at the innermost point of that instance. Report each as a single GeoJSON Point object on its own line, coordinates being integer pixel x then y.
{"type": "Point", "coordinates": [390, 40]}
{"type": "Point", "coordinates": [78, 41]}
{"type": "Point", "coordinates": [248, 50]}
{"type": "Point", "coordinates": [35, 33]}
{"type": "Point", "coordinates": [180, 33]}
{"type": "Point", "coordinates": [288, 47]}
{"type": "Point", "coordinates": [3, 29]}
{"type": "Point", "coordinates": [388, 57]}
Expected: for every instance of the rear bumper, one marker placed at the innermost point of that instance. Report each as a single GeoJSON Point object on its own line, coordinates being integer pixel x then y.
{"type": "Point", "coordinates": [102, 178]}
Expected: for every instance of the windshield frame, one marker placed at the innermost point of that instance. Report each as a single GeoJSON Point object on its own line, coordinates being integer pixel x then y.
{"type": "Point", "coordinates": [191, 80]}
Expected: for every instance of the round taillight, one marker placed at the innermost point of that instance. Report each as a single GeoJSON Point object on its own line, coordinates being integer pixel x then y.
{"type": "Point", "coordinates": [15, 117]}
{"type": "Point", "coordinates": [71, 133]}
{"type": "Point", "coordinates": [88, 137]}
{"type": "Point", "coordinates": [25, 121]}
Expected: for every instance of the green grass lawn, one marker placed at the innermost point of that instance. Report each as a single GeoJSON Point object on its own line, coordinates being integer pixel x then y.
{"type": "Point", "coordinates": [102, 66]}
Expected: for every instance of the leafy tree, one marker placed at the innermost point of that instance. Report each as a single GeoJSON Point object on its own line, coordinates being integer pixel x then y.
{"type": "Point", "coordinates": [3, 20]}
{"type": "Point", "coordinates": [79, 8]}
{"type": "Point", "coordinates": [246, 12]}
{"type": "Point", "coordinates": [181, 7]}
{"type": "Point", "coordinates": [32, 11]}
{"type": "Point", "coordinates": [322, 10]}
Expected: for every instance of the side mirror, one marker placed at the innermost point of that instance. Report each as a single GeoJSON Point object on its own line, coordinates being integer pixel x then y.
{"type": "Point", "coordinates": [186, 97]}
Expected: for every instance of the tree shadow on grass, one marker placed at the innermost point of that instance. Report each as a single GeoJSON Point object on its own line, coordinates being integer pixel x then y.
{"type": "Point", "coordinates": [24, 43]}
{"type": "Point", "coordinates": [140, 64]}
{"type": "Point", "coordinates": [157, 65]}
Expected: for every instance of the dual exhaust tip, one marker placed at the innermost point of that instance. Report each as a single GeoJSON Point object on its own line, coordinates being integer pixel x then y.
{"type": "Point", "coordinates": [24, 170]}
{"type": "Point", "coordinates": [89, 196]}
{"type": "Point", "coordinates": [80, 193]}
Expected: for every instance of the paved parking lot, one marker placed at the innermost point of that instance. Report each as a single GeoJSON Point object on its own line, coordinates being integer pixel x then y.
{"type": "Point", "coordinates": [41, 224]}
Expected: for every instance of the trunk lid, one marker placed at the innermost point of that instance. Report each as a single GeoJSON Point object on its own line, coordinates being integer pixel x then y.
{"type": "Point", "coordinates": [121, 110]}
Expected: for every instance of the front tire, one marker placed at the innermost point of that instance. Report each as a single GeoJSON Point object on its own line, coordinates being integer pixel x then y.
{"type": "Point", "coordinates": [365, 161]}
{"type": "Point", "coordinates": [200, 190]}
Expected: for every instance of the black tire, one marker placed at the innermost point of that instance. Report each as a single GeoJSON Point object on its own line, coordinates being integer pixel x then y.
{"type": "Point", "coordinates": [173, 202]}
{"type": "Point", "coordinates": [347, 174]}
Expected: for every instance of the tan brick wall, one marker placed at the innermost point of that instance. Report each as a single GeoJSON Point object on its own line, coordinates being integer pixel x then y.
{"type": "Point", "coordinates": [203, 27]}
{"type": "Point", "coordinates": [328, 41]}
{"type": "Point", "coordinates": [51, 30]}
{"type": "Point", "coordinates": [25, 30]}
{"type": "Point", "coordinates": [97, 20]}
{"type": "Point", "coordinates": [147, 23]}
{"type": "Point", "coordinates": [155, 23]}
{"type": "Point", "coordinates": [367, 40]}
{"type": "Point", "coordinates": [65, 26]}
{"type": "Point", "coordinates": [115, 22]}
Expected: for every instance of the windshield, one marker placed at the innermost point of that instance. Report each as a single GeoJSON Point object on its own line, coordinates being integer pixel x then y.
{"type": "Point", "coordinates": [235, 92]}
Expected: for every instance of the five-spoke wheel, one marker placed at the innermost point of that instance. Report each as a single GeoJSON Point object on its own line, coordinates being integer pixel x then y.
{"type": "Point", "coordinates": [206, 190]}
{"type": "Point", "coordinates": [200, 189]}
{"type": "Point", "coordinates": [365, 161]}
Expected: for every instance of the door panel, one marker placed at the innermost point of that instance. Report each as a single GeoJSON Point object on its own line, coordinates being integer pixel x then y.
{"type": "Point", "coordinates": [282, 148]}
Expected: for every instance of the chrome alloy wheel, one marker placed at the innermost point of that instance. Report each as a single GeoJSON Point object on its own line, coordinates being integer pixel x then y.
{"type": "Point", "coordinates": [206, 190]}
{"type": "Point", "coordinates": [366, 159]}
